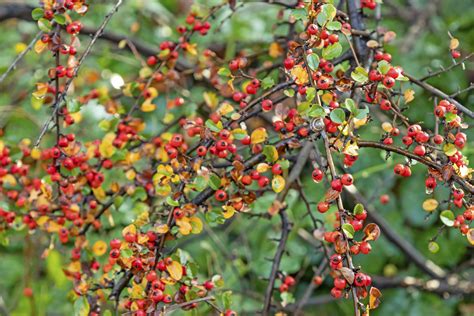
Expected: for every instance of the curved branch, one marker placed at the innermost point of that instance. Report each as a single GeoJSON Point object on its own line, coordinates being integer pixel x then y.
{"type": "Point", "coordinates": [441, 94]}
{"type": "Point", "coordinates": [370, 144]}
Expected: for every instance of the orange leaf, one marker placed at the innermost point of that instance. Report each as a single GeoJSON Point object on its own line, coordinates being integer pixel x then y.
{"type": "Point", "coordinates": [372, 232]}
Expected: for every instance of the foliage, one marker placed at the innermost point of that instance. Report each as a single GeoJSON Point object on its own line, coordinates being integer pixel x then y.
{"type": "Point", "coordinates": [242, 156]}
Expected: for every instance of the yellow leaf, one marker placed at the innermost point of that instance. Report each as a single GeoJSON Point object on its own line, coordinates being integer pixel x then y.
{"type": "Point", "coordinates": [454, 43]}
{"type": "Point", "coordinates": [262, 167]}
{"type": "Point", "coordinates": [106, 147]}
{"type": "Point", "coordinates": [130, 174]}
{"type": "Point", "coordinates": [99, 193]}
{"type": "Point", "coordinates": [19, 47]}
{"type": "Point", "coordinates": [430, 205]}
{"type": "Point", "coordinates": [470, 236]}
{"type": "Point", "coordinates": [225, 109]}
{"type": "Point", "coordinates": [35, 153]}
{"type": "Point", "coordinates": [359, 123]}
{"type": "Point", "coordinates": [387, 127]}
{"type": "Point", "coordinates": [278, 183]}
{"type": "Point", "coordinates": [169, 117]}
{"type": "Point", "coordinates": [275, 50]}
{"type": "Point", "coordinates": [142, 219]}
{"type": "Point", "coordinates": [351, 148]}
{"type": "Point", "coordinates": [9, 179]}
{"type": "Point", "coordinates": [259, 135]}
{"type": "Point", "coordinates": [450, 150]}
{"type": "Point", "coordinates": [409, 95]}
{"type": "Point", "coordinates": [41, 90]}
{"type": "Point", "coordinates": [211, 99]}
{"type": "Point", "coordinates": [129, 229]}
{"type": "Point", "coordinates": [196, 224]}
{"type": "Point", "coordinates": [300, 75]}
{"type": "Point", "coordinates": [175, 270]}
{"type": "Point", "coordinates": [147, 106]}
{"type": "Point", "coordinates": [99, 248]}
{"type": "Point", "coordinates": [229, 211]}
{"type": "Point", "coordinates": [185, 227]}
{"type": "Point", "coordinates": [137, 291]}
{"type": "Point", "coordinates": [162, 229]}
{"type": "Point", "coordinates": [191, 49]}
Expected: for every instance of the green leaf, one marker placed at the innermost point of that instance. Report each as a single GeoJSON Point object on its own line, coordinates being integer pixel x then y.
{"type": "Point", "coordinates": [268, 82]}
{"type": "Point", "coordinates": [172, 201]}
{"type": "Point", "coordinates": [225, 72]}
{"type": "Point", "coordinates": [360, 75]}
{"type": "Point", "coordinates": [348, 230]}
{"type": "Point", "coordinates": [213, 126]}
{"type": "Point", "coordinates": [289, 93]}
{"type": "Point", "coordinates": [313, 61]}
{"type": "Point", "coordinates": [433, 247]}
{"type": "Point", "coordinates": [447, 217]}
{"type": "Point", "coordinates": [81, 306]}
{"type": "Point", "coordinates": [334, 26]}
{"type": "Point", "coordinates": [270, 153]}
{"type": "Point", "coordinates": [201, 183]}
{"type": "Point", "coordinates": [140, 194]}
{"type": "Point", "coordinates": [37, 14]}
{"type": "Point", "coordinates": [287, 298]}
{"type": "Point", "coordinates": [358, 209]}
{"type": "Point", "coordinates": [327, 14]}
{"type": "Point", "coordinates": [126, 253]}
{"type": "Point", "coordinates": [350, 105]}
{"type": "Point", "coordinates": [338, 116]}
{"type": "Point", "coordinates": [450, 117]}
{"type": "Point", "coordinates": [214, 182]}
{"type": "Point", "coordinates": [60, 19]}
{"type": "Point", "coordinates": [45, 25]}
{"type": "Point", "coordinates": [299, 14]}
{"type": "Point", "coordinates": [383, 67]}
{"type": "Point", "coordinates": [316, 111]}
{"type": "Point", "coordinates": [73, 106]}
{"type": "Point", "coordinates": [36, 103]}
{"type": "Point", "coordinates": [310, 94]}
{"type": "Point", "coordinates": [332, 51]}
{"type": "Point", "coordinates": [227, 299]}
{"type": "Point", "coordinates": [361, 113]}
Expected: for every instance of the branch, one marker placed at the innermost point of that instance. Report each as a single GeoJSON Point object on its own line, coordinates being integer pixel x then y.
{"type": "Point", "coordinates": [443, 70]}
{"type": "Point", "coordinates": [441, 287]}
{"type": "Point", "coordinates": [441, 94]}
{"type": "Point", "coordinates": [370, 144]}
{"type": "Point", "coordinates": [58, 102]}
{"type": "Point", "coordinates": [285, 224]}
{"type": "Point", "coordinates": [412, 253]}
{"type": "Point", "coordinates": [20, 56]}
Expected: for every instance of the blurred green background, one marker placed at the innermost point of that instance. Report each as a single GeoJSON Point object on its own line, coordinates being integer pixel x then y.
{"type": "Point", "coordinates": [237, 250]}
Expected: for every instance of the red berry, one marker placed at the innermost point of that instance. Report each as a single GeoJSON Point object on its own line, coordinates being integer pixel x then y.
{"type": "Point", "coordinates": [317, 175]}
{"type": "Point", "coordinates": [340, 283]}
{"type": "Point", "coordinates": [323, 207]}
{"type": "Point", "coordinates": [365, 247]}
{"type": "Point", "coordinates": [347, 179]}
{"type": "Point", "coordinates": [289, 63]}
{"type": "Point", "coordinates": [220, 195]}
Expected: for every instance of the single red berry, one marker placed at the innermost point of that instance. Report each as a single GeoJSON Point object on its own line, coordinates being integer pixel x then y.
{"type": "Point", "coordinates": [289, 63]}
{"type": "Point", "coordinates": [317, 175]}
{"type": "Point", "coordinates": [220, 195]}
{"type": "Point", "coordinates": [323, 207]}
{"type": "Point", "coordinates": [347, 179]}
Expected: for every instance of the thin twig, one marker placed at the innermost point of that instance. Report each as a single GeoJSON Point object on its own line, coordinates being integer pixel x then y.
{"type": "Point", "coordinates": [20, 56]}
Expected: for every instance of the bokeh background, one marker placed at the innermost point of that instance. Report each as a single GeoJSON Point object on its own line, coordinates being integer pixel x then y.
{"type": "Point", "coordinates": [237, 250]}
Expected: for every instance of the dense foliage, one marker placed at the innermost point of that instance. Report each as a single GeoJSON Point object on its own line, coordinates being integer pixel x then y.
{"type": "Point", "coordinates": [236, 157]}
